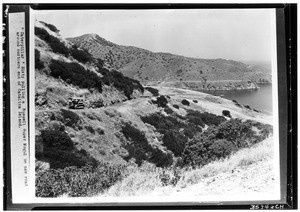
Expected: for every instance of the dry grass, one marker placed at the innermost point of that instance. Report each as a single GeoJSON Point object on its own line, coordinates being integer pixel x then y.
{"type": "Point", "coordinates": [141, 181]}
{"type": "Point", "coordinates": [146, 179]}
{"type": "Point", "coordinates": [242, 158]}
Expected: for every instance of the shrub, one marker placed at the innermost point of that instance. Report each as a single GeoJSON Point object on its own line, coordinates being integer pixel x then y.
{"type": "Point", "coordinates": [111, 112]}
{"type": "Point", "coordinates": [139, 148]}
{"type": "Point", "coordinates": [195, 117]}
{"type": "Point", "coordinates": [264, 129]}
{"type": "Point", "coordinates": [70, 118]}
{"type": "Point", "coordinates": [165, 178]}
{"type": "Point", "coordinates": [119, 81]}
{"type": "Point", "coordinates": [175, 132]}
{"type": "Point", "coordinates": [99, 63]}
{"type": "Point", "coordinates": [248, 107]}
{"type": "Point", "coordinates": [50, 183]}
{"type": "Point", "coordinates": [175, 141]}
{"type": "Point", "coordinates": [80, 55]}
{"type": "Point", "coordinates": [168, 110]}
{"type": "Point", "coordinates": [75, 74]}
{"type": "Point", "coordinates": [56, 45]}
{"type": "Point", "coordinates": [220, 141]}
{"type": "Point", "coordinates": [204, 118]}
{"type": "Point", "coordinates": [42, 33]}
{"type": "Point", "coordinates": [212, 119]}
{"type": "Point", "coordinates": [60, 151]}
{"type": "Point", "coordinates": [161, 101]}
{"type": "Point", "coordinates": [160, 158]}
{"type": "Point", "coordinates": [69, 157]}
{"type": "Point", "coordinates": [170, 177]}
{"type": "Point", "coordinates": [97, 103]}
{"type": "Point", "coordinates": [56, 125]}
{"type": "Point", "coordinates": [191, 130]}
{"type": "Point", "coordinates": [89, 115]}
{"type": "Point", "coordinates": [78, 182]}
{"type": "Point", "coordinates": [38, 63]}
{"type": "Point", "coordinates": [100, 131]}
{"type": "Point", "coordinates": [226, 113]}
{"type": "Point", "coordinates": [52, 116]}
{"type": "Point", "coordinates": [176, 106]}
{"type": "Point", "coordinates": [196, 152]}
{"type": "Point", "coordinates": [195, 101]}
{"type": "Point", "coordinates": [90, 129]}
{"type": "Point", "coordinates": [221, 148]}
{"type": "Point", "coordinates": [185, 102]}
{"type": "Point", "coordinates": [55, 138]}
{"type": "Point", "coordinates": [163, 123]}
{"type": "Point", "coordinates": [233, 131]}
{"type": "Point", "coordinates": [237, 104]}
{"type": "Point", "coordinates": [153, 91]}
{"type": "Point", "coordinates": [50, 26]}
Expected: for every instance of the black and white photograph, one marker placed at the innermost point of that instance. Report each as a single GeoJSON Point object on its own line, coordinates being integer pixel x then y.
{"type": "Point", "coordinates": [155, 103]}
{"type": "Point", "coordinates": [135, 105]}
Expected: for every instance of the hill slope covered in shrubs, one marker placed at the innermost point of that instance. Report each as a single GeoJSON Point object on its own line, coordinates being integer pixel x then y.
{"type": "Point", "coordinates": [58, 58]}
{"type": "Point", "coordinates": [173, 70]}
{"type": "Point", "coordinates": [161, 135]}
{"type": "Point", "coordinates": [121, 140]}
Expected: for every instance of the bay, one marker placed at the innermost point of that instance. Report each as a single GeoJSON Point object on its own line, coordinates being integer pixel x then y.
{"type": "Point", "coordinates": [260, 99]}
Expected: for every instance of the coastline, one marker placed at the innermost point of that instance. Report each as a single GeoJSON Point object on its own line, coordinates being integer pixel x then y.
{"type": "Point", "coordinates": [225, 85]}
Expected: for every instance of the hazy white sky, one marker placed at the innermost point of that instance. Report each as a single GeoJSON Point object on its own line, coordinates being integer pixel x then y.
{"type": "Point", "coordinates": [237, 34]}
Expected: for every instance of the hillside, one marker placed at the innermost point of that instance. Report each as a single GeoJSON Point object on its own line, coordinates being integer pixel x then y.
{"type": "Point", "coordinates": [125, 127]}
{"type": "Point", "coordinates": [249, 174]}
{"type": "Point", "coordinates": [121, 136]}
{"type": "Point", "coordinates": [65, 70]}
{"type": "Point", "coordinates": [173, 70]}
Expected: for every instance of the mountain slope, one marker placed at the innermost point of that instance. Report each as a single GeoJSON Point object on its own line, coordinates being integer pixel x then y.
{"type": "Point", "coordinates": [83, 152]}
{"type": "Point", "coordinates": [165, 69]}
{"type": "Point", "coordinates": [65, 70]}
{"type": "Point", "coordinates": [249, 171]}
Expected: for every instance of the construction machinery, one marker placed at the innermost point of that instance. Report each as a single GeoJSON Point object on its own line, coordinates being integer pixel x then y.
{"type": "Point", "coordinates": [76, 103]}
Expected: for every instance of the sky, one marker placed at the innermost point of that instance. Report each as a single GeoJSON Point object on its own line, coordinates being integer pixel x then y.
{"type": "Point", "coordinates": [235, 34]}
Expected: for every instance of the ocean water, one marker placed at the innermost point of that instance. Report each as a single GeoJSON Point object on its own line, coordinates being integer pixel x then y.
{"type": "Point", "coordinates": [260, 99]}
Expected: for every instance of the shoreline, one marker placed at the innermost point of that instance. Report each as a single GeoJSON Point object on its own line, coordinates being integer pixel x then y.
{"type": "Point", "coordinates": [211, 85]}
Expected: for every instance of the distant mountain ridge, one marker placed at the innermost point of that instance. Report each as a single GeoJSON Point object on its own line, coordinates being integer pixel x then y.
{"type": "Point", "coordinates": [166, 69]}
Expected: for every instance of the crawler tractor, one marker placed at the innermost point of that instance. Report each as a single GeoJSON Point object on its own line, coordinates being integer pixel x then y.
{"type": "Point", "coordinates": [76, 103]}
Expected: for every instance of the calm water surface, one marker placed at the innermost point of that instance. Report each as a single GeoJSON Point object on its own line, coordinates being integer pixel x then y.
{"type": "Point", "coordinates": [260, 99]}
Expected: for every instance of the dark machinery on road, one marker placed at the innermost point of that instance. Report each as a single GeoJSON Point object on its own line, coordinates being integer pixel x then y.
{"type": "Point", "coordinates": [76, 103]}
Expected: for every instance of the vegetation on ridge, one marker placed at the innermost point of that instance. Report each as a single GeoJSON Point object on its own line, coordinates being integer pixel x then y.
{"type": "Point", "coordinates": [76, 74]}
{"type": "Point", "coordinates": [56, 45]}
{"type": "Point", "coordinates": [168, 69]}
{"type": "Point", "coordinates": [119, 81]}
{"type": "Point", "coordinates": [163, 146]}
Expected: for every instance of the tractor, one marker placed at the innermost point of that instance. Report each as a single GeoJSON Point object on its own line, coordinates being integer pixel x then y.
{"type": "Point", "coordinates": [76, 103]}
